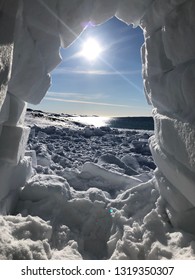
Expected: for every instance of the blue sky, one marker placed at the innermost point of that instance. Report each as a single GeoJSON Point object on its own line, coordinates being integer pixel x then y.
{"type": "Point", "coordinates": [108, 86]}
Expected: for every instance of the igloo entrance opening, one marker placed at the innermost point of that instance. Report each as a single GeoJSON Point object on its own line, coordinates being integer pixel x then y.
{"type": "Point", "coordinates": [30, 54]}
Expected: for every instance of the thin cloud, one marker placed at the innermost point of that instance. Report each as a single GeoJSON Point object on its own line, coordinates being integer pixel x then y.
{"type": "Point", "coordinates": [62, 71]}
{"type": "Point", "coordinates": [76, 95]}
{"type": "Point", "coordinates": [113, 72]}
{"type": "Point", "coordinates": [86, 102]}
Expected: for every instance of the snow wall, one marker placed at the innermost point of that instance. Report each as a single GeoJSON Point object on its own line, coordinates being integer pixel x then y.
{"type": "Point", "coordinates": [31, 33]}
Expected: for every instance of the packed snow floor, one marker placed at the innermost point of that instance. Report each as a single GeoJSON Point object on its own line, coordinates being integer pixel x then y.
{"type": "Point", "coordinates": [92, 195]}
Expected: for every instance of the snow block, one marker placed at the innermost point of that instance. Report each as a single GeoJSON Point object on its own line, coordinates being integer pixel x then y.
{"type": "Point", "coordinates": [172, 196]}
{"type": "Point", "coordinates": [13, 179]}
{"type": "Point", "coordinates": [188, 86]}
{"type": "Point", "coordinates": [156, 61]}
{"type": "Point", "coordinates": [177, 138]}
{"type": "Point", "coordinates": [179, 30]}
{"type": "Point", "coordinates": [147, 89]}
{"type": "Point", "coordinates": [7, 22]}
{"type": "Point", "coordinates": [173, 91]}
{"type": "Point", "coordinates": [73, 18]}
{"type": "Point", "coordinates": [43, 26]}
{"type": "Point", "coordinates": [179, 210]}
{"type": "Point", "coordinates": [103, 10]}
{"type": "Point", "coordinates": [5, 61]}
{"type": "Point", "coordinates": [50, 187]}
{"type": "Point", "coordinates": [12, 143]}
{"type": "Point", "coordinates": [17, 110]}
{"type": "Point", "coordinates": [29, 80]}
{"type": "Point", "coordinates": [132, 11]}
{"type": "Point", "coordinates": [155, 16]}
{"type": "Point", "coordinates": [5, 109]}
{"type": "Point", "coordinates": [32, 155]}
{"type": "Point", "coordinates": [169, 94]}
{"type": "Point", "coordinates": [176, 173]}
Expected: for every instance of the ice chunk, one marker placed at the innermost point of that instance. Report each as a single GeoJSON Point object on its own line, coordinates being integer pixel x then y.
{"type": "Point", "coordinates": [112, 178]}
{"type": "Point", "coordinates": [109, 158]}
{"type": "Point", "coordinates": [70, 252]}
{"type": "Point", "coordinates": [32, 154]}
{"type": "Point", "coordinates": [41, 135]}
{"type": "Point", "coordinates": [131, 161]}
{"type": "Point", "coordinates": [44, 159]}
{"type": "Point", "coordinates": [12, 151]}
{"type": "Point", "coordinates": [87, 132]}
{"type": "Point", "coordinates": [95, 176]}
{"type": "Point", "coordinates": [46, 187]}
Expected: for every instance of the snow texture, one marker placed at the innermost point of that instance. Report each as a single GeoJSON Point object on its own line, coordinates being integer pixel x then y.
{"type": "Point", "coordinates": [86, 205]}
{"type": "Point", "coordinates": [95, 194]}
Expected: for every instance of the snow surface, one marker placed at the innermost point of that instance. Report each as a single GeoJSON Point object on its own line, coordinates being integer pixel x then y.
{"type": "Point", "coordinates": [90, 196]}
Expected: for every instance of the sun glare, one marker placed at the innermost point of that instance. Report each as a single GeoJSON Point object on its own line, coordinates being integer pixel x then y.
{"type": "Point", "coordinates": [91, 49]}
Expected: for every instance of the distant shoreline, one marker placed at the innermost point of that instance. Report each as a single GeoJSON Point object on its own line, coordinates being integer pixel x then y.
{"type": "Point", "coordinates": [83, 116]}
{"type": "Point", "coordinates": [134, 122]}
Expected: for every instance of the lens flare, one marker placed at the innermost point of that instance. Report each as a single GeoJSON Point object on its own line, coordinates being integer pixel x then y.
{"type": "Point", "coordinates": [91, 49]}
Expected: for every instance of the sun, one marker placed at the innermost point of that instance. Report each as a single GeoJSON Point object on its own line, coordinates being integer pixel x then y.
{"type": "Point", "coordinates": [91, 49]}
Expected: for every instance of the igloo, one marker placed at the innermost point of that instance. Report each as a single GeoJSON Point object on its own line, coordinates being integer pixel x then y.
{"type": "Point", "coordinates": [31, 33]}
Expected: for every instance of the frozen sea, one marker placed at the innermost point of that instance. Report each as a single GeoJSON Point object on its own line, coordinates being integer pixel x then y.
{"type": "Point", "coordinates": [138, 123]}
{"type": "Point", "coordinates": [91, 195]}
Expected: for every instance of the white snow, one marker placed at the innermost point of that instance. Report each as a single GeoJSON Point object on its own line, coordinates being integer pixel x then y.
{"type": "Point", "coordinates": [92, 193]}
{"type": "Point", "coordinates": [4, 113]}
{"type": "Point", "coordinates": [13, 178]}
{"type": "Point", "coordinates": [17, 109]}
{"type": "Point", "coordinates": [72, 209]}
{"type": "Point", "coordinates": [181, 33]}
{"type": "Point", "coordinates": [132, 11]}
{"type": "Point", "coordinates": [24, 238]}
{"type": "Point", "coordinates": [176, 173]}
{"type": "Point", "coordinates": [12, 151]}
